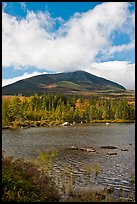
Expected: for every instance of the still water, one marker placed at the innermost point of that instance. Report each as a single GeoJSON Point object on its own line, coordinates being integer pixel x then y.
{"type": "Point", "coordinates": [114, 169]}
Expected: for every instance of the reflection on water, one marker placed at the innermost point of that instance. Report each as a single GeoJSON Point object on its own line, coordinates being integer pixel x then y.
{"type": "Point", "coordinates": [114, 169]}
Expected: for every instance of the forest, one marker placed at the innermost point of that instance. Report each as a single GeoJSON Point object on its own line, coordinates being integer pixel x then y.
{"type": "Point", "coordinates": [50, 109]}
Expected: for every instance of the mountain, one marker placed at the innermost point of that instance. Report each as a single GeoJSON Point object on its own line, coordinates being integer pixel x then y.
{"type": "Point", "coordinates": [67, 83]}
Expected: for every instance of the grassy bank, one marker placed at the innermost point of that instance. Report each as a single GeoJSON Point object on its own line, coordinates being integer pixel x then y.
{"type": "Point", "coordinates": [24, 182]}
{"type": "Point", "coordinates": [27, 181]}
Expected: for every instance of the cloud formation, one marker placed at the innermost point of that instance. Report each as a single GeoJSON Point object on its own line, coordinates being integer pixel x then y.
{"type": "Point", "coordinates": [120, 72]}
{"type": "Point", "coordinates": [34, 41]}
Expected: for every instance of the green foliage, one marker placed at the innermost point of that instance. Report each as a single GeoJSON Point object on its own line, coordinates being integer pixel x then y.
{"type": "Point", "coordinates": [56, 109]}
{"type": "Point", "coordinates": [45, 160]}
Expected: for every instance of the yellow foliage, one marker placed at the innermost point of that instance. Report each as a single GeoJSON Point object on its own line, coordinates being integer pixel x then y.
{"type": "Point", "coordinates": [23, 99]}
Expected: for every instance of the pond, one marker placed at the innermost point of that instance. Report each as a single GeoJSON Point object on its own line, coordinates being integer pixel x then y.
{"type": "Point", "coordinates": [114, 170]}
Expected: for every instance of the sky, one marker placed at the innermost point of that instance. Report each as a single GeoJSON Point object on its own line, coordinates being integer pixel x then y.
{"type": "Point", "coordinates": [54, 37]}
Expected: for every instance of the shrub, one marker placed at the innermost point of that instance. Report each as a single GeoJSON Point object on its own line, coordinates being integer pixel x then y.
{"type": "Point", "coordinates": [24, 182]}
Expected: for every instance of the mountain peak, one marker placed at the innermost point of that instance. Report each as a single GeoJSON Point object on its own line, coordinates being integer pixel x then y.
{"type": "Point", "coordinates": [65, 83]}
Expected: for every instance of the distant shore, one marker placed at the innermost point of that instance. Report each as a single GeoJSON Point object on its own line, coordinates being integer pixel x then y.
{"type": "Point", "coordinates": [43, 123]}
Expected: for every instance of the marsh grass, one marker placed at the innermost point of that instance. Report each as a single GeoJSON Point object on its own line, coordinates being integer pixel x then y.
{"type": "Point", "coordinates": [45, 160]}
{"type": "Point", "coordinates": [33, 181]}
{"type": "Point", "coordinates": [66, 184]}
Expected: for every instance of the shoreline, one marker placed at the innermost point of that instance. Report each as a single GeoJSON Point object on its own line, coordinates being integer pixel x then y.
{"type": "Point", "coordinates": [29, 124]}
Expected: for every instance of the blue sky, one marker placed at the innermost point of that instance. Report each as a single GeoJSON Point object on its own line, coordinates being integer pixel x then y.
{"type": "Point", "coordinates": [51, 37]}
{"type": "Point", "coordinates": [63, 9]}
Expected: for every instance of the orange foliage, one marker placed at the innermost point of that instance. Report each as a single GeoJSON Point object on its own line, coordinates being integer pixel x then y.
{"type": "Point", "coordinates": [82, 105]}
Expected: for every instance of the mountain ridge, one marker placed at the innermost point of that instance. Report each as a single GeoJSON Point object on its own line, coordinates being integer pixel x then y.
{"type": "Point", "coordinates": [65, 82]}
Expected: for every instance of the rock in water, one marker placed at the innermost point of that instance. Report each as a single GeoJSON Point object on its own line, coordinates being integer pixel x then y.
{"type": "Point", "coordinates": [65, 124]}
{"type": "Point", "coordinates": [111, 153]}
{"type": "Point", "coordinates": [124, 149]}
{"type": "Point", "coordinates": [74, 148]}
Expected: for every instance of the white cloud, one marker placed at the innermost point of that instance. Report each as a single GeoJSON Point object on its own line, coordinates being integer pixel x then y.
{"type": "Point", "coordinates": [110, 51]}
{"type": "Point", "coordinates": [34, 41]}
{"type": "Point", "coordinates": [24, 76]}
{"type": "Point", "coordinates": [121, 72]}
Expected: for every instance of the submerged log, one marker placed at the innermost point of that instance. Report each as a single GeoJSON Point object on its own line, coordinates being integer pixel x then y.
{"type": "Point", "coordinates": [5, 127]}
{"type": "Point", "coordinates": [111, 153]}
{"type": "Point", "coordinates": [88, 149]}
{"type": "Point", "coordinates": [109, 147]}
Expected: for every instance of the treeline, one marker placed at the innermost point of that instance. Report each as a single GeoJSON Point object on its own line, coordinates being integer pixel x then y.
{"type": "Point", "coordinates": [56, 109]}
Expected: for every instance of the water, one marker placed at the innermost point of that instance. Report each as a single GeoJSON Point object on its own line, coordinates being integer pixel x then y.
{"type": "Point", "coordinates": [114, 170]}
